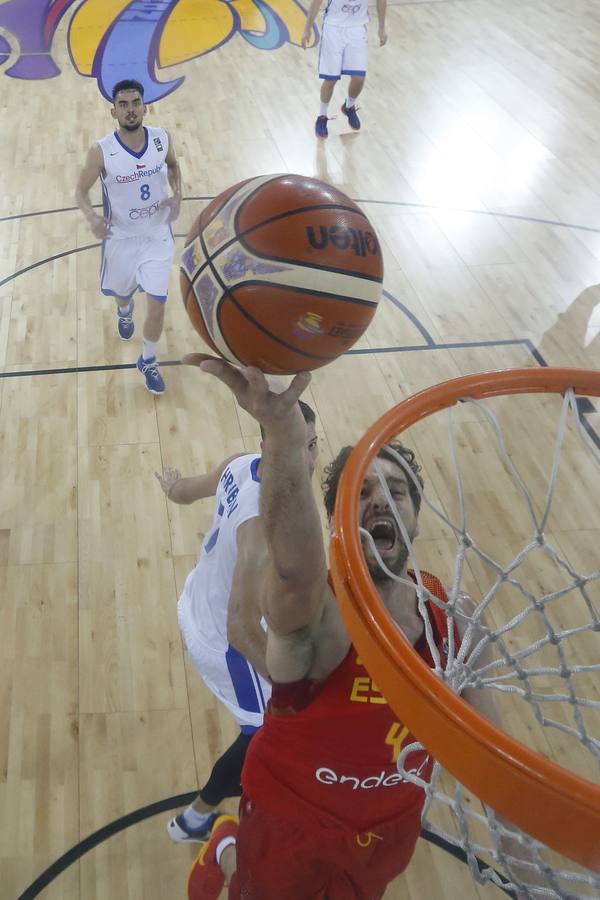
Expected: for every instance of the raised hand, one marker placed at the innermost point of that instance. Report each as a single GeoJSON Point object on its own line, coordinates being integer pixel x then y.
{"type": "Point", "coordinates": [251, 388]}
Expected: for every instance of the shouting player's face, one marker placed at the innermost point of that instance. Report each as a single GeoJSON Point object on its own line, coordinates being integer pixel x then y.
{"type": "Point", "coordinates": [377, 517]}
{"type": "Point", "coordinates": [129, 110]}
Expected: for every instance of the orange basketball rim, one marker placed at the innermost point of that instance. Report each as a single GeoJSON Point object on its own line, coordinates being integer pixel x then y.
{"type": "Point", "coordinates": [543, 799]}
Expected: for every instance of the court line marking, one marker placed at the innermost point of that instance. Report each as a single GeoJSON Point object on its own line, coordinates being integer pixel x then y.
{"type": "Point", "coordinates": [139, 815]}
{"type": "Point", "coordinates": [401, 203]}
{"type": "Point", "coordinates": [585, 406]}
{"type": "Point", "coordinates": [169, 803]}
{"type": "Point", "coordinates": [406, 348]}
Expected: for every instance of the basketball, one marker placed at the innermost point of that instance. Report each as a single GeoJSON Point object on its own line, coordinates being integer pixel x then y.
{"type": "Point", "coordinates": [281, 272]}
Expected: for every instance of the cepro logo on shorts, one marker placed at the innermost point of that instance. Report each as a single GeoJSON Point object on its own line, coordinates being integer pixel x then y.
{"type": "Point", "coordinates": [353, 239]}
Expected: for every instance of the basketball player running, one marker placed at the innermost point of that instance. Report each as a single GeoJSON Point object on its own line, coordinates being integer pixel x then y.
{"type": "Point", "coordinates": [219, 614]}
{"type": "Point", "coordinates": [324, 811]}
{"type": "Point", "coordinates": [134, 163]}
{"type": "Point", "coordinates": [343, 51]}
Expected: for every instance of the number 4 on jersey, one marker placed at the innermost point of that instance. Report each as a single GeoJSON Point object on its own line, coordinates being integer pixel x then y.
{"type": "Point", "coordinates": [395, 737]}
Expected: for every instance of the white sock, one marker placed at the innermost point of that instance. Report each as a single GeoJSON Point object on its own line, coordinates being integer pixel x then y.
{"type": "Point", "coordinates": [194, 819]}
{"type": "Point", "coordinates": [223, 845]}
{"type": "Point", "coordinates": [323, 109]}
{"type": "Point", "coordinates": [149, 349]}
{"type": "Point", "coordinates": [125, 310]}
{"type": "Point", "coordinates": [350, 101]}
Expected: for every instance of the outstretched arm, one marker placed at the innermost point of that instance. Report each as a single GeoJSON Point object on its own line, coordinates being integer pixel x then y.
{"type": "Point", "coordinates": [296, 574]}
{"type": "Point", "coordinates": [197, 487]}
{"type": "Point", "coordinates": [88, 176]}
{"type": "Point", "coordinates": [298, 569]}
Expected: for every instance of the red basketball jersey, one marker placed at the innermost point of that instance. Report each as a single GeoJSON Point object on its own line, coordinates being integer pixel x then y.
{"type": "Point", "coordinates": [327, 751]}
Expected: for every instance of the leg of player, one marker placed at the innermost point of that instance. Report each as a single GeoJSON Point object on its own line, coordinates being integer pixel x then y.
{"type": "Point", "coordinates": [330, 69]}
{"type": "Point", "coordinates": [153, 326]}
{"type": "Point", "coordinates": [215, 865]}
{"type": "Point", "coordinates": [354, 64]}
{"type": "Point", "coordinates": [325, 96]}
{"type": "Point", "coordinates": [349, 107]}
{"type": "Point", "coordinates": [125, 324]}
{"type": "Point", "coordinates": [194, 824]}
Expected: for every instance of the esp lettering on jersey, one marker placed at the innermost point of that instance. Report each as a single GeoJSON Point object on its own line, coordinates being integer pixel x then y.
{"type": "Point", "coordinates": [364, 690]}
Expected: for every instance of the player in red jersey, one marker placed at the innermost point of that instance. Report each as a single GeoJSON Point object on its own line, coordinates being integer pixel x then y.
{"type": "Point", "coordinates": [324, 813]}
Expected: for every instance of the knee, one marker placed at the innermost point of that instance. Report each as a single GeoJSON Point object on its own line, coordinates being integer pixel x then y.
{"type": "Point", "coordinates": [156, 308]}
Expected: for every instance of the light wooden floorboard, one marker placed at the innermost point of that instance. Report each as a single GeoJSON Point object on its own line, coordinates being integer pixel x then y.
{"type": "Point", "coordinates": [478, 164]}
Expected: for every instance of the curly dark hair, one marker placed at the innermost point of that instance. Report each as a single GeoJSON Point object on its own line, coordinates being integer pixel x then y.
{"type": "Point", "coordinates": [334, 470]}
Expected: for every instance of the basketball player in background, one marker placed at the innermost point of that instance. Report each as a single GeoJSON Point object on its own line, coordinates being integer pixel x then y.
{"type": "Point", "coordinates": [343, 51]}
{"type": "Point", "coordinates": [135, 164]}
{"type": "Point", "coordinates": [324, 812]}
{"type": "Point", "coordinates": [220, 618]}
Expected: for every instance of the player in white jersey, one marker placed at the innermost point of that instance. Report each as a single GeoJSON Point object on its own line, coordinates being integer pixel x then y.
{"type": "Point", "coordinates": [136, 165]}
{"type": "Point", "coordinates": [343, 51]}
{"type": "Point", "coordinates": [220, 619]}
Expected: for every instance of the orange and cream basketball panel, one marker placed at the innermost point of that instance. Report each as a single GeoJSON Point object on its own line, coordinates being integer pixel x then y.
{"type": "Point", "coordinates": [282, 272]}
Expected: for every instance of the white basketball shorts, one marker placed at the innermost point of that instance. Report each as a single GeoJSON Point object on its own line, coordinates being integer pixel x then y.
{"type": "Point", "coordinates": [228, 675]}
{"type": "Point", "coordinates": [137, 263]}
{"type": "Point", "coordinates": [343, 51]}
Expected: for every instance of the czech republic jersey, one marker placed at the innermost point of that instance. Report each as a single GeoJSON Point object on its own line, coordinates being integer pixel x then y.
{"type": "Point", "coordinates": [134, 184]}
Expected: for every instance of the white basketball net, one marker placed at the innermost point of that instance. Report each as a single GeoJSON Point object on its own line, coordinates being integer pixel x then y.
{"type": "Point", "coordinates": [553, 673]}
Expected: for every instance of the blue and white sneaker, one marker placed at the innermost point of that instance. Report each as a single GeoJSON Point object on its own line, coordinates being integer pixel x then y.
{"type": "Point", "coordinates": [149, 369]}
{"type": "Point", "coordinates": [350, 113]}
{"type": "Point", "coordinates": [125, 323]}
{"type": "Point", "coordinates": [321, 127]}
{"type": "Point", "coordinates": [180, 833]}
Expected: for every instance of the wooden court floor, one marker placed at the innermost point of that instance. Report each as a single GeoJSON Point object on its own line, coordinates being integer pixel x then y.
{"type": "Point", "coordinates": [478, 164]}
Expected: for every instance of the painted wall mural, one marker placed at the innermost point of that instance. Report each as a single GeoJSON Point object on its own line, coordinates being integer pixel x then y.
{"type": "Point", "coordinates": [113, 39]}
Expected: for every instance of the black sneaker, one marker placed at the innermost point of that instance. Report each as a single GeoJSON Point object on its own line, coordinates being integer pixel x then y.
{"type": "Point", "coordinates": [125, 323]}
{"type": "Point", "coordinates": [350, 113]}
{"type": "Point", "coordinates": [321, 127]}
{"type": "Point", "coordinates": [149, 369]}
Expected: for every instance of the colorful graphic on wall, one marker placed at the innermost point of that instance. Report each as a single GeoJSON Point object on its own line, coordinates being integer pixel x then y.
{"type": "Point", "coordinates": [113, 39]}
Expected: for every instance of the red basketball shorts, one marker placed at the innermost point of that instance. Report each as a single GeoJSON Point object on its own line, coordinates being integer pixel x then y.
{"type": "Point", "coordinates": [276, 859]}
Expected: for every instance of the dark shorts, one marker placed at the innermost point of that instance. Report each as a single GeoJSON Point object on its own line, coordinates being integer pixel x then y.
{"type": "Point", "coordinates": [277, 859]}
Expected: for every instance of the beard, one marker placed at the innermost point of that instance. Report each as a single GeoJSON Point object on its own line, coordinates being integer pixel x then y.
{"type": "Point", "coordinates": [130, 126]}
